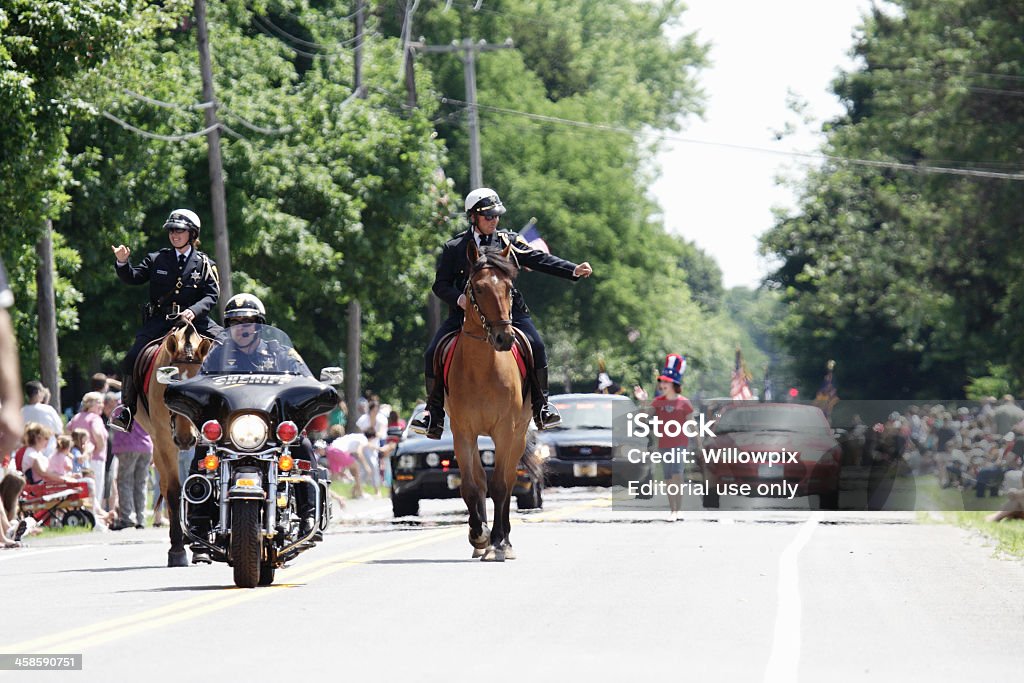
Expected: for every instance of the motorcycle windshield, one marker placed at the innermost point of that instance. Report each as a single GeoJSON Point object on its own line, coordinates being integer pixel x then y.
{"type": "Point", "coordinates": [254, 349]}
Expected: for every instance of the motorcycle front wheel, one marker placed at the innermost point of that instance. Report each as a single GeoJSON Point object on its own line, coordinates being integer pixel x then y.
{"type": "Point", "coordinates": [246, 539]}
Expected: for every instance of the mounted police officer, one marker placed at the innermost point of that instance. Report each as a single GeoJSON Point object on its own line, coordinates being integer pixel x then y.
{"type": "Point", "coordinates": [183, 287]}
{"type": "Point", "coordinates": [484, 208]}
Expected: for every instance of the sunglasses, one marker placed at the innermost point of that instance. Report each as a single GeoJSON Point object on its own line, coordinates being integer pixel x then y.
{"type": "Point", "coordinates": [489, 215]}
{"type": "Point", "coordinates": [243, 321]}
{"type": "Point", "coordinates": [177, 231]}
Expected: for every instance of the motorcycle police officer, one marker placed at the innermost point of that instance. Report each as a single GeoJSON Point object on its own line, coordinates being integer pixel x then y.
{"type": "Point", "coordinates": [242, 349]}
{"type": "Point", "coordinates": [483, 208]}
{"type": "Point", "coordinates": [184, 286]}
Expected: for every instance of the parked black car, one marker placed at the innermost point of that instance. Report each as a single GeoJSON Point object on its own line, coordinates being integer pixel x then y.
{"type": "Point", "coordinates": [426, 468]}
{"type": "Point", "coordinates": [581, 451]}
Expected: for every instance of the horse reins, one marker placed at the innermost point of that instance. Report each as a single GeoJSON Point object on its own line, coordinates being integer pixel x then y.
{"type": "Point", "coordinates": [483, 319]}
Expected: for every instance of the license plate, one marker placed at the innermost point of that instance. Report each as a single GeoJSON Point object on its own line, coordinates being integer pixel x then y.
{"type": "Point", "coordinates": [766, 471]}
{"type": "Point", "coordinates": [584, 469]}
{"type": "Point", "coordinates": [245, 482]}
{"type": "Point", "coordinates": [454, 481]}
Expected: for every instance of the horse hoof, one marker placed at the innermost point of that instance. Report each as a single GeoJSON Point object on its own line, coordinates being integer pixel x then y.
{"type": "Point", "coordinates": [478, 552]}
{"type": "Point", "coordinates": [493, 554]}
{"type": "Point", "coordinates": [482, 541]}
{"type": "Point", "coordinates": [177, 558]}
{"type": "Point", "coordinates": [509, 553]}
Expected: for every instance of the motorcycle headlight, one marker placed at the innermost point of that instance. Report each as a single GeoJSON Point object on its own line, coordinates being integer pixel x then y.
{"type": "Point", "coordinates": [487, 457]}
{"type": "Point", "coordinates": [248, 432]}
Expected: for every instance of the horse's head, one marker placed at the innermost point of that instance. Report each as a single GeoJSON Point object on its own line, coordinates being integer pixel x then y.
{"type": "Point", "coordinates": [185, 349]}
{"type": "Point", "coordinates": [489, 292]}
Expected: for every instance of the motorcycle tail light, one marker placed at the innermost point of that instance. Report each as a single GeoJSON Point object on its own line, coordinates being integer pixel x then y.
{"type": "Point", "coordinates": [286, 463]}
{"type": "Point", "coordinates": [287, 431]}
{"type": "Point", "coordinates": [212, 431]}
{"type": "Point", "coordinates": [210, 463]}
{"type": "Point", "coordinates": [304, 465]}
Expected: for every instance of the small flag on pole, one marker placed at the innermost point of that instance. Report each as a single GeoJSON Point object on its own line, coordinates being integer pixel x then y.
{"type": "Point", "coordinates": [533, 238]}
{"type": "Point", "coordinates": [739, 390]}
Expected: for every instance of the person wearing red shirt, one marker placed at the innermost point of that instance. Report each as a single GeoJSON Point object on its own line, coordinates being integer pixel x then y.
{"type": "Point", "coordinates": [671, 406]}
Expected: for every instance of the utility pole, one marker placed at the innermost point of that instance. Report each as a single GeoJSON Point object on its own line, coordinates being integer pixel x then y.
{"type": "Point", "coordinates": [217, 202]}
{"type": "Point", "coordinates": [352, 364]}
{"type": "Point", "coordinates": [357, 57]}
{"type": "Point", "coordinates": [469, 49]}
{"type": "Point", "coordinates": [46, 307]}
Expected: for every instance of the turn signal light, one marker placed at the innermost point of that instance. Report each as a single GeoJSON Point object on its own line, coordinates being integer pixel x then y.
{"type": "Point", "coordinates": [212, 431]}
{"type": "Point", "coordinates": [287, 431]}
{"type": "Point", "coordinates": [210, 463]}
{"type": "Point", "coordinates": [286, 463]}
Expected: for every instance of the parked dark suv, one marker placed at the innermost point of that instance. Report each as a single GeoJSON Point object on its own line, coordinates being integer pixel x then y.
{"type": "Point", "coordinates": [581, 451]}
{"type": "Point", "coordinates": [426, 468]}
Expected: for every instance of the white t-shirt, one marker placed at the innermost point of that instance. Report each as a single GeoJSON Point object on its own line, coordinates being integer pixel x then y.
{"type": "Point", "coordinates": [46, 415]}
{"type": "Point", "coordinates": [381, 427]}
{"type": "Point", "coordinates": [350, 443]}
{"type": "Point", "coordinates": [35, 461]}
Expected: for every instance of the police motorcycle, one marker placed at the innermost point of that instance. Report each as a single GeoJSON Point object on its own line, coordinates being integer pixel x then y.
{"type": "Point", "coordinates": [250, 427]}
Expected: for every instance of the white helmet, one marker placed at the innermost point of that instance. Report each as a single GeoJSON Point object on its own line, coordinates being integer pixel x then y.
{"type": "Point", "coordinates": [183, 218]}
{"type": "Point", "coordinates": [484, 200]}
{"type": "Point", "coordinates": [244, 307]}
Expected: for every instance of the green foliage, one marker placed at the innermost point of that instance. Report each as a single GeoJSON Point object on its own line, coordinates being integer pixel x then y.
{"type": "Point", "coordinates": [911, 280]}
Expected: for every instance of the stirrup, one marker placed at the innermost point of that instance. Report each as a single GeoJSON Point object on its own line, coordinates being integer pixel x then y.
{"type": "Point", "coordinates": [426, 425]}
{"type": "Point", "coordinates": [122, 420]}
{"type": "Point", "coordinates": [547, 416]}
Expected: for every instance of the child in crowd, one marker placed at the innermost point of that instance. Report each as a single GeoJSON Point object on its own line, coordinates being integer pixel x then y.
{"type": "Point", "coordinates": [81, 448]}
{"type": "Point", "coordinates": [62, 462]}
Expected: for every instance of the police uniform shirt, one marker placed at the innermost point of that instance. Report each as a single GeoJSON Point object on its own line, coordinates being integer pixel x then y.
{"type": "Point", "coordinates": [195, 287]}
{"type": "Point", "coordinates": [272, 357]}
{"type": "Point", "coordinates": [453, 267]}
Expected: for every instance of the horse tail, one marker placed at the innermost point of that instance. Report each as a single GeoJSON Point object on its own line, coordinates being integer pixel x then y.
{"type": "Point", "coordinates": [530, 460]}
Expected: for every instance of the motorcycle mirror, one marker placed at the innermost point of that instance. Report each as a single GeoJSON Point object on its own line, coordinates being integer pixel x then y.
{"type": "Point", "coordinates": [332, 375]}
{"type": "Point", "coordinates": [167, 375]}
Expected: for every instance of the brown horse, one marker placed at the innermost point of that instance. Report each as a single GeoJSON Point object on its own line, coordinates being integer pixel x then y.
{"type": "Point", "coordinates": [185, 349]}
{"type": "Point", "coordinates": [485, 396]}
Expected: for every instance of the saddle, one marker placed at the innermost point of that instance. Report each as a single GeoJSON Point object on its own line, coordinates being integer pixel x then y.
{"type": "Point", "coordinates": [521, 351]}
{"type": "Point", "coordinates": [142, 373]}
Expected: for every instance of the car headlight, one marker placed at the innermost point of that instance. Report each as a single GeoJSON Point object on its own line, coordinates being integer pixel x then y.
{"type": "Point", "coordinates": [487, 457]}
{"type": "Point", "coordinates": [433, 459]}
{"type": "Point", "coordinates": [248, 432]}
{"type": "Point", "coordinates": [407, 462]}
{"type": "Point", "coordinates": [544, 451]}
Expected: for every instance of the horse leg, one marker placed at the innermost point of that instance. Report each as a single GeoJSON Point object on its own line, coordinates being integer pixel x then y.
{"type": "Point", "coordinates": [176, 556]}
{"type": "Point", "coordinates": [473, 489]}
{"type": "Point", "coordinates": [505, 474]}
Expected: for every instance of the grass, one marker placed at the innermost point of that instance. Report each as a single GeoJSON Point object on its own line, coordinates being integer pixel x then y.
{"type": "Point", "coordinates": [344, 489]}
{"type": "Point", "coordinates": [1008, 534]}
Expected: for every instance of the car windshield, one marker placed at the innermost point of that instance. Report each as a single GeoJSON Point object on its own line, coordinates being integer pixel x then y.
{"type": "Point", "coordinates": [767, 418]}
{"type": "Point", "coordinates": [594, 413]}
{"type": "Point", "coordinates": [254, 349]}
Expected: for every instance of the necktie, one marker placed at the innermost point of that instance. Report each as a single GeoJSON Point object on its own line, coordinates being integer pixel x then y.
{"type": "Point", "coordinates": [181, 263]}
{"type": "Point", "coordinates": [485, 240]}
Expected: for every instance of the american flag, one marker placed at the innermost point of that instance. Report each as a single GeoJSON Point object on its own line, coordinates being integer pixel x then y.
{"type": "Point", "coordinates": [533, 238]}
{"type": "Point", "coordinates": [739, 390]}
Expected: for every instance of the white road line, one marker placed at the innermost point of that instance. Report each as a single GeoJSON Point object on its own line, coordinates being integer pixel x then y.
{"type": "Point", "coordinates": [15, 553]}
{"type": "Point", "coordinates": [784, 661]}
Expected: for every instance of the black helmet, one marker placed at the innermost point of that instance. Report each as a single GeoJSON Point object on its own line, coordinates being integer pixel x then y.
{"type": "Point", "coordinates": [183, 218]}
{"type": "Point", "coordinates": [244, 308]}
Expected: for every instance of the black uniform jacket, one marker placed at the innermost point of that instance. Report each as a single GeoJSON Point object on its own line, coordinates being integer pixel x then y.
{"type": "Point", "coordinates": [453, 268]}
{"type": "Point", "coordinates": [197, 287]}
{"type": "Point", "coordinates": [267, 357]}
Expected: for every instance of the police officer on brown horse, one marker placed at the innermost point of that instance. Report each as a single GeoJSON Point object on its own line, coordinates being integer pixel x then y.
{"type": "Point", "coordinates": [183, 287]}
{"type": "Point", "coordinates": [484, 209]}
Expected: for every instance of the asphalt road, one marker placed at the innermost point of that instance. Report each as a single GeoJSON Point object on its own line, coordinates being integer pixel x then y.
{"type": "Point", "coordinates": [596, 594]}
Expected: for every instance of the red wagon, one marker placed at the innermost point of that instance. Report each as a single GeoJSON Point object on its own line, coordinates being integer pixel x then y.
{"type": "Point", "coordinates": [57, 504]}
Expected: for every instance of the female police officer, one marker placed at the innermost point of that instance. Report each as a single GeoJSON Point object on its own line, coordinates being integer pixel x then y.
{"type": "Point", "coordinates": [183, 286]}
{"type": "Point", "coordinates": [483, 208]}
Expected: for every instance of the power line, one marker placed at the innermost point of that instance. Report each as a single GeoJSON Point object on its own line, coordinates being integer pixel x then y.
{"type": "Point", "coordinates": [156, 136]}
{"type": "Point", "coordinates": [816, 156]}
{"type": "Point", "coordinates": [255, 128]}
{"type": "Point", "coordinates": [198, 106]}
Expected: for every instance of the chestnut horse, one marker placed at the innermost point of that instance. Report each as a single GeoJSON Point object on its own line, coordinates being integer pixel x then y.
{"type": "Point", "coordinates": [184, 348]}
{"type": "Point", "coordinates": [485, 396]}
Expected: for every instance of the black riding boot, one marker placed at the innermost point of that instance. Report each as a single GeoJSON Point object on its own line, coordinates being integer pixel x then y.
{"type": "Point", "coordinates": [544, 414]}
{"type": "Point", "coordinates": [431, 422]}
{"type": "Point", "coordinates": [123, 417]}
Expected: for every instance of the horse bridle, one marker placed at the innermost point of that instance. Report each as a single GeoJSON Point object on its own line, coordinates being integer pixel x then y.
{"type": "Point", "coordinates": [476, 307]}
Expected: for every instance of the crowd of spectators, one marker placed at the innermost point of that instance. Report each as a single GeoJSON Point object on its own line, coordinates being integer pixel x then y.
{"type": "Point", "coordinates": [977, 448]}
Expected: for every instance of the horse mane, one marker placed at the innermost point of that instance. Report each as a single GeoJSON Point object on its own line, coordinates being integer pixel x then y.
{"type": "Point", "coordinates": [493, 257]}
